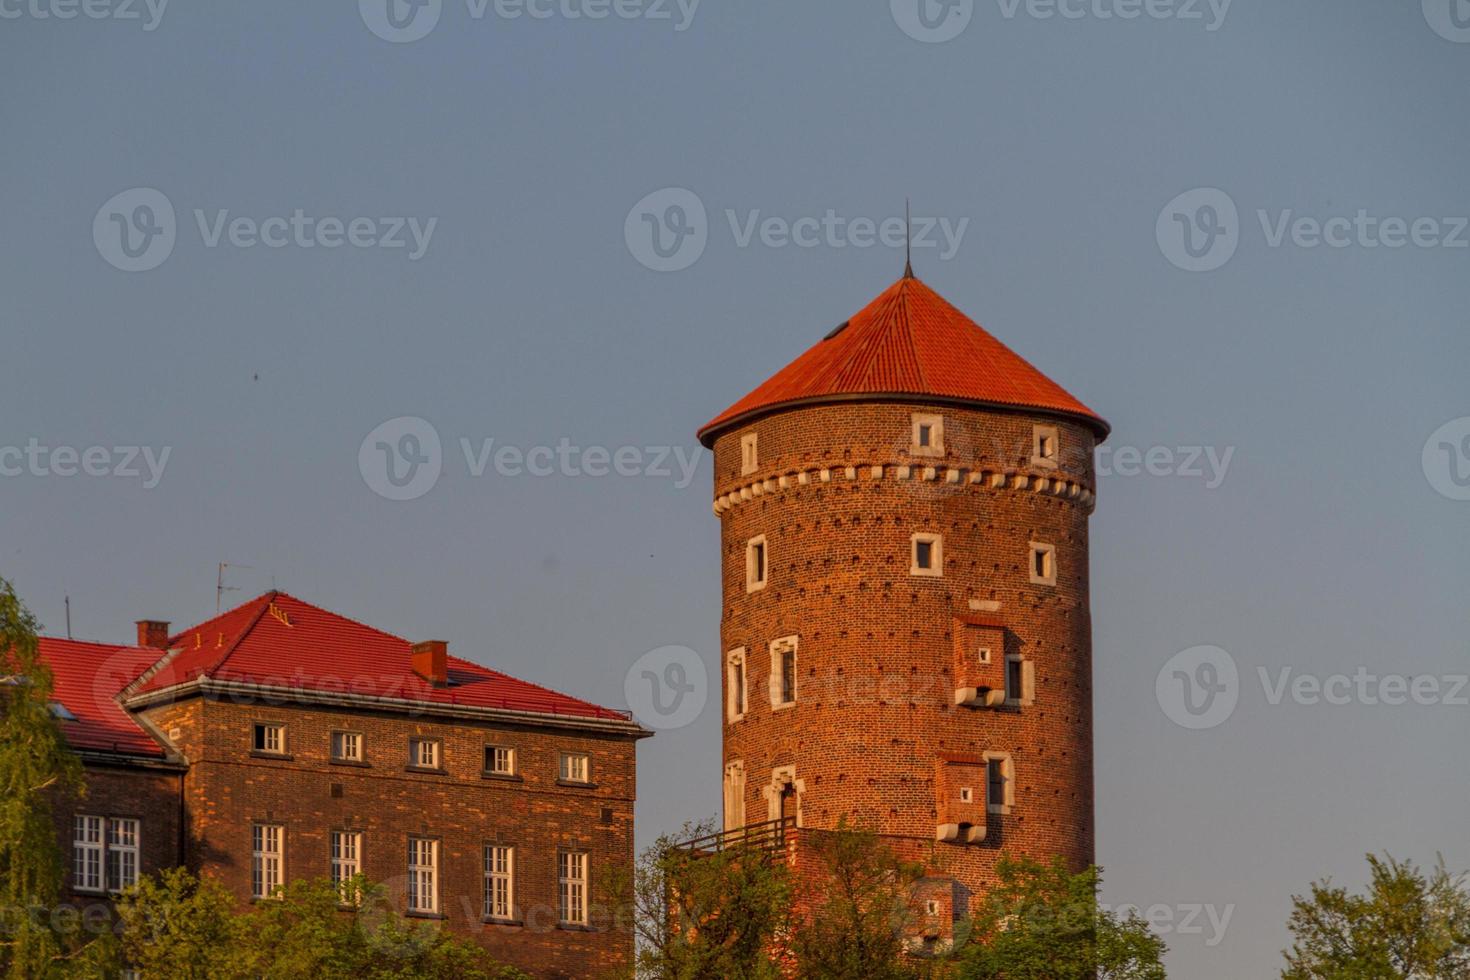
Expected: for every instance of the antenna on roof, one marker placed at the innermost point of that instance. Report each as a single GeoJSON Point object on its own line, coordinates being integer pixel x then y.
{"type": "Point", "coordinates": [908, 242]}
{"type": "Point", "coordinates": [68, 617]}
{"type": "Point", "coordinates": [220, 588]}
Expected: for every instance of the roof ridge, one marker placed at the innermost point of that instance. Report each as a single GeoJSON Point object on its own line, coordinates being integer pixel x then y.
{"type": "Point", "coordinates": [908, 324]}
{"type": "Point", "coordinates": [219, 661]}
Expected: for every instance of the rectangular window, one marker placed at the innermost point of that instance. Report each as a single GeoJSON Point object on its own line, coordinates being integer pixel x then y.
{"type": "Point", "coordinates": [1043, 564]}
{"type": "Point", "coordinates": [928, 435]}
{"type": "Point", "coordinates": [1044, 446]}
{"type": "Point", "coordinates": [997, 772]}
{"type": "Point", "coordinates": [749, 454]}
{"type": "Point", "coordinates": [1015, 674]}
{"type": "Point", "coordinates": [270, 738]}
{"type": "Point", "coordinates": [571, 879]}
{"type": "Point", "coordinates": [346, 747]}
{"type": "Point", "coordinates": [500, 862]}
{"type": "Point", "coordinates": [500, 760]}
{"type": "Point", "coordinates": [575, 767]}
{"type": "Point", "coordinates": [783, 672]}
{"type": "Point", "coordinates": [266, 859]}
{"type": "Point", "coordinates": [346, 861]}
{"type": "Point", "coordinates": [87, 854]}
{"type": "Point", "coordinates": [423, 875]}
{"type": "Point", "coordinates": [423, 753]}
{"type": "Point", "coordinates": [927, 557]}
{"type": "Point", "coordinates": [755, 564]}
{"type": "Point", "coordinates": [122, 853]}
{"type": "Point", "coordinates": [735, 685]}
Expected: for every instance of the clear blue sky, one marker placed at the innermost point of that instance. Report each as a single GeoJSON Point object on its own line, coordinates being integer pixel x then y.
{"type": "Point", "coordinates": [528, 319]}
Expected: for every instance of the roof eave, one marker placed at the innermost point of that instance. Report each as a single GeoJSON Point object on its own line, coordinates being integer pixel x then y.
{"type": "Point", "coordinates": [713, 429]}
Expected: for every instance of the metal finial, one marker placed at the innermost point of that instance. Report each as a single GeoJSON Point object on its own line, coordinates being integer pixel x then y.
{"type": "Point", "coordinates": [908, 242]}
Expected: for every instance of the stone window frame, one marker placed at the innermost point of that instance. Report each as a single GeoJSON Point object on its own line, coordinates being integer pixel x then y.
{"type": "Point", "coordinates": [734, 788]}
{"type": "Point", "coordinates": [783, 776]}
{"type": "Point", "coordinates": [935, 424]}
{"type": "Point", "coordinates": [258, 729]}
{"type": "Point", "coordinates": [737, 694]}
{"type": "Point", "coordinates": [562, 769]}
{"type": "Point", "coordinates": [1008, 773]}
{"type": "Point", "coordinates": [752, 583]}
{"type": "Point", "coordinates": [779, 648]}
{"type": "Point", "coordinates": [750, 458]}
{"type": "Point", "coordinates": [936, 554]}
{"type": "Point", "coordinates": [414, 744]}
{"type": "Point", "coordinates": [332, 743]}
{"type": "Point", "coordinates": [1026, 696]}
{"type": "Point", "coordinates": [1049, 575]}
{"type": "Point", "coordinates": [1040, 434]}
{"type": "Point", "coordinates": [489, 757]}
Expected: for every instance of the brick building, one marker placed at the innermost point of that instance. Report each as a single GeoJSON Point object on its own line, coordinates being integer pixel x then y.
{"type": "Point", "coordinates": [906, 633]}
{"type": "Point", "coordinates": [281, 741]}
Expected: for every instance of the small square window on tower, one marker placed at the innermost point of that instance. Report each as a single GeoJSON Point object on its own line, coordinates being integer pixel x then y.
{"type": "Point", "coordinates": [755, 564]}
{"type": "Point", "coordinates": [983, 655]}
{"type": "Point", "coordinates": [1044, 446]}
{"type": "Point", "coordinates": [1043, 564]}
{"type": "Point", "coordinates": [750, 459]}
{"type": "Point", "coordinates": [928, 435]}
{"type": "Point", "coordinates": [927, 556]}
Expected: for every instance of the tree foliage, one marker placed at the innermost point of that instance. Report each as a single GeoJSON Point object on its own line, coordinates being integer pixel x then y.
{"type": "Point", "coordinates": [35, 767]}
{"type": "Point", "coordinates": [708, 915]}
{"type": "Point", "coordinates": [1407, 926]}
{"type": "Point", "coordinates": [1042, 922]}
{"type": "Point", "coordinates": [178, 927]}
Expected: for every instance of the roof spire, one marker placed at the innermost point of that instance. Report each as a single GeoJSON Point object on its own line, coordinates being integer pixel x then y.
{"type": "Point", "coordinates": [908, 242]}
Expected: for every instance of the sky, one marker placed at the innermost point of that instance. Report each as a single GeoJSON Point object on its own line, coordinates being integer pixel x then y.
{"type": "Point", "coordinates": [246, 244]}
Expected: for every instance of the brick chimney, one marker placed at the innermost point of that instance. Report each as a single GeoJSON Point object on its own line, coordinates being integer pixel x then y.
{"type": "Point", "coordinates": [431, 662]}
{"type": "Point", "coordinates": [153, 633]}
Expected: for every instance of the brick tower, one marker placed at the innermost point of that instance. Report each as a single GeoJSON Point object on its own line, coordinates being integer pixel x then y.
{"type": "Point", "coordinates": [906, 633]}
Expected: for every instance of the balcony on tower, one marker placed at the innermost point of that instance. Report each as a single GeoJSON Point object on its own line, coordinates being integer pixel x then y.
{"type": "Point", "coordinates": [959, 787]}
{"type": "Point", "coordinates": [979, 661]}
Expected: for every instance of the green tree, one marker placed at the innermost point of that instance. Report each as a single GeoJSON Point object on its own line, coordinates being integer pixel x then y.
{"type": "Point", "coordinates": [177, 927]}
{"type": "Point", "coordinates": [856, 909]}
{"type": "Point", "coordinates": [705, 914]}
{"type": "Point", "coordinates": [1042, 922]}
{"type": "Point", "coordinates": [35, 767]}
{"type": "Point", "coordinates": [1408, 926]}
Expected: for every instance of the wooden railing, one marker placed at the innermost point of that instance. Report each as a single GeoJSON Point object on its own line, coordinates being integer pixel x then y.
{"type": "Point", "coordinates": [770, 836]}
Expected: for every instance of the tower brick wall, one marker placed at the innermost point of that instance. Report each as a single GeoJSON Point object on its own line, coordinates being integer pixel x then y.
{"type": "Point", "coordinates": [838, 491]}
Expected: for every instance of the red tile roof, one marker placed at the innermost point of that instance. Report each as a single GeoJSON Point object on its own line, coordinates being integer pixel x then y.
{"type": "Point", "coordinates": [907, 342]}
{"type": "Point", "coordinates": [88, 677]}
{"type": "Point", "coordinates": [280, 641]}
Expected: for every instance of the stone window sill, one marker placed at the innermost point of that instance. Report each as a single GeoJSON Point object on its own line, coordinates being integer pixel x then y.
{"type": "Point", "coordinates": [358, 763]}
{"type": "Point", "coordinates": [279, 756]}
{"type": "Point", "coordinates": [425, 771]}
{"type": "Point", "coordinates": [504, 777]}
{"type": "Point", "coordinates": [425, 915]}
{"type": "Point", "coordinates": [575, 784]}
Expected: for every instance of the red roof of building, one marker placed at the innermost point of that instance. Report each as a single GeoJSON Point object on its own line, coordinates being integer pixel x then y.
{"type": "Point", "coordinates": [88, 678]}
{"type": "Point", "coordinates": [280, 641]}
{"type": "Point", "coordinates": [907, 342]}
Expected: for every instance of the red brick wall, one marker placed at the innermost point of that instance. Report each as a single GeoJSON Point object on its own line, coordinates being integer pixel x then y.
{"type": "Point", "coordinates": [150, 796]}
{"type": "Point", "coordinates": [229, 789]}
{"type": "Point", "coordinates": [875, 705]}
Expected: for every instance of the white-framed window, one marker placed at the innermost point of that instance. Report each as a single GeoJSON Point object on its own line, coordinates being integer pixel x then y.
{"type": "Point", "coordinates": [926, 554]}
{"type": "Point", "coordinates": [750, 460]}
{"type": "Point", "coordinates": [928, 435]}
{"type": "Point", "coordinates": [576, 767]}
{"type": "Point", "coordinates": [270, 737]}
{"type": "Point", "coordinates": [266, 859]}
{"type": "Point", "coordinates": [87, 849]}
{"type": "Point", "coordinates": [347, 746]}
{"type": "Point", "coordinates": [999, 783]}
{"type": "Point", "coordinates": [783, 672]}
{"type": "Point", "coordinates": [423, 753]}
{"type": "Point", "coordinates": [123, 838]}
{"type": "Point", "coordinates": [756, 561]}
{"type": "Point", "coordinates": [500, 760]}
{"type": "Point", "coordinates": [735, 795]}
{"type": "Point", "coordinates": [1045, 446]}
{"type": "Point", "coordinates": [571, 881]}
{"type": "Point", "coordinates": [1043, 563]}
{"type": "Point", "coordinates": [346, 861]}
{"type": "Point", "coordinates": [423, 875]}
{"type": "Point", "coordinates": [500, 866]}
{"type": "Point", "coordinates": [736, 690]}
